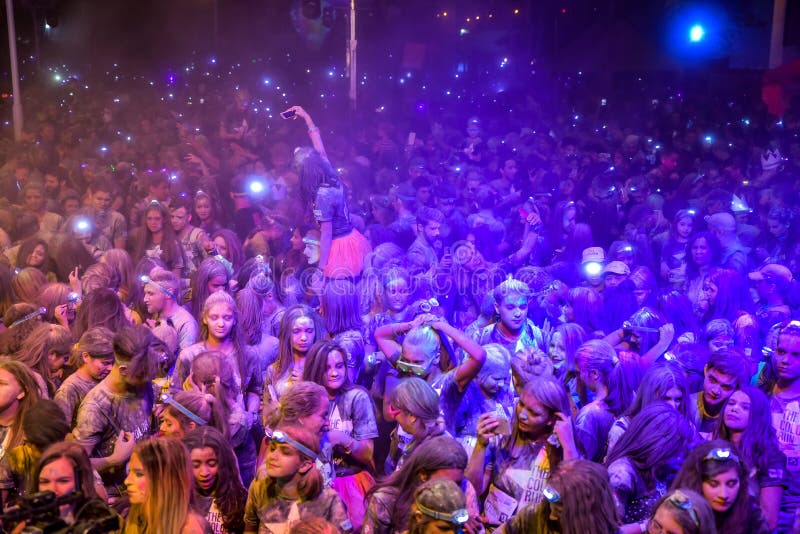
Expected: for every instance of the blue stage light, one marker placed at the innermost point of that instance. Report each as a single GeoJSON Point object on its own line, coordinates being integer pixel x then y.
{"type": "Point", "coordinates": [697, 33]}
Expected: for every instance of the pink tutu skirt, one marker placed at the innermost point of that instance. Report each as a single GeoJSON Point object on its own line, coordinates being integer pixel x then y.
{"type": "Point", "coordinates": [352, 489]}
{"type": "Point", "coordinates": [346, 259]}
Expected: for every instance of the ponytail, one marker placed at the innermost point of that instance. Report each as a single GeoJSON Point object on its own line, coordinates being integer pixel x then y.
{"type": "Point", "coordinates": [620, 377]}
{"type": "Point", "coordinates": [203, 405]}
{"type": "Point", "coordinates": [97, 342]}
{"type": "Point", "coordinates": [622, 384]}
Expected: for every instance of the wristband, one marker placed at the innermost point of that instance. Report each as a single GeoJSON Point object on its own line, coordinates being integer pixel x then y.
{"type": "Point", "coordinates": [313, 129]}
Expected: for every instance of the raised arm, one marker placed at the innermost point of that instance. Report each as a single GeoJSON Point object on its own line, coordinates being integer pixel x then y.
{"type": "Point", "coordinates": [476, 471]}
{"type": "Point", "coordinates": [385, 339]}
{"type": "Point", "coordinates": [313, 130]}
{"type": "Point", "coordinates": [385, 336]}
{"type": "Point", "coordinates": [477, 355]}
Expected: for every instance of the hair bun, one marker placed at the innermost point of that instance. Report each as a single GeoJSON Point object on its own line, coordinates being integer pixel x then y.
{"type": "Point", "coordinates": [261, 284]}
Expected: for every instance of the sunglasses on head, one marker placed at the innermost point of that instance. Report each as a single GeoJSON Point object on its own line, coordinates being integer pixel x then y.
{"type": "Point", "coordinates": [411, 368]}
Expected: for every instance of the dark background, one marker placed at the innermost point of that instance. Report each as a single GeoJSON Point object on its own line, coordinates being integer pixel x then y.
{"type": "Point", "coordinates": [560, 34]}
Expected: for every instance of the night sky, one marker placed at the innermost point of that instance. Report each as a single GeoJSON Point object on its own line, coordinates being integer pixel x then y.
{"type": "Point", "coordinates": [560, 35]}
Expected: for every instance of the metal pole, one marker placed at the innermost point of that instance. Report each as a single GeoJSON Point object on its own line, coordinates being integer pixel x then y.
{"type": "Point", "coordinates": [352, 56]}
{"type": "Point", "coordinates": [776, 42]}
{"type": "Point", "coordinates": [216, 26]}
{"type": "Point", "coordinates": [16, 106]}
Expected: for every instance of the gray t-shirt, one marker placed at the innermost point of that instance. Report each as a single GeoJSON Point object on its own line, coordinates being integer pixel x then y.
{"type": "Point", "coordinates": [330, 205]}
{"type": "Point", "coordinates": [353, 413]}
{"type": "Point", "coordinates": [272, 515]}
{"type": "Point", "coordinates": [785, 411]}
{"type": "Point", "coordinates": [592, 425]}
{"type": "Point", "coordinates": [186, 325]}
{"type": "Point", "coordinates": [70, 395]}
{"type": "Point", "coordinates": [102, 415]}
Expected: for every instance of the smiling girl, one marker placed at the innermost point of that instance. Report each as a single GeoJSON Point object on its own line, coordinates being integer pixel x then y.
{"type": "Point", "coordinates": [564, 342]}
{"type": "Point", "coordinates": [159, 485]}
{"type": "Point", "coordinates": [293, 489]}
{"type": "Point", "coordinates": [351, 425]}
{"type": "Point", "coordinates": [33, 253]}
{"type": "Point", "coordinates": [64, 468]}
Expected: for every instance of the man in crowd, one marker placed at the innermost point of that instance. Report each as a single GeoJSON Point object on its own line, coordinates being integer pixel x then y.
{"type": "Point", "coordinates": [162, 298]}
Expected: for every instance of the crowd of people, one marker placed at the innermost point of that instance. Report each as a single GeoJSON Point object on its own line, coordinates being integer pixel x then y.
{"type": "Point", "coordinates": [546, 322]}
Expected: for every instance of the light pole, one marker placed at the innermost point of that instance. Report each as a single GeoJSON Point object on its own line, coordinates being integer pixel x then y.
{"type": "Point", "coordinates": [215, 15]}
{"type": "Point", "coordinates": [776, 40]}
{"type": "Point", "coordinates": [16, 106]}
{"type": "Point", "coordinates": [352, 65]}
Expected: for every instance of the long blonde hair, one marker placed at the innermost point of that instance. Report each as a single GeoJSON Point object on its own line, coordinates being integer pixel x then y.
{"type": "Point", "coordinates": [168, 468]}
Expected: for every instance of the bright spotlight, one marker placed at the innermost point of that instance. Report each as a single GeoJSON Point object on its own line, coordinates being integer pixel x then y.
{"type": "Point", "coordinates": [696, 33]}
{"type": "Point", "coordinates": [593, 268]}
{"type": "Point", "coordinates": [256, 187]}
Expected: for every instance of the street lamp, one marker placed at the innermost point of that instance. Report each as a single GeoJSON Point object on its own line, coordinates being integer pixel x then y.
{"type": "Point", "coordinates": [16, 106]}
